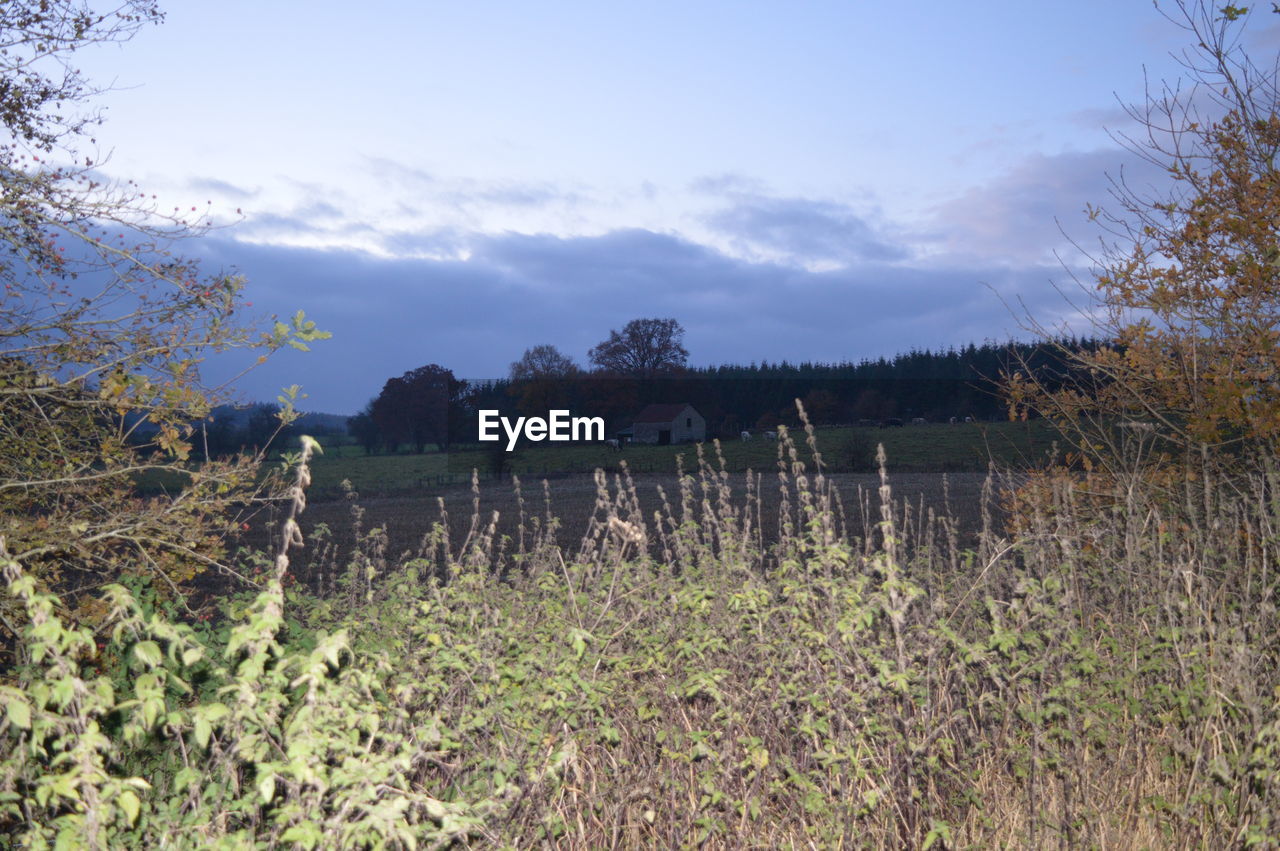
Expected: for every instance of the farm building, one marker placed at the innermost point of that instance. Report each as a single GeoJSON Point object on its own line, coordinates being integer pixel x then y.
{"type": "Point", "coordinates": [664, 424]}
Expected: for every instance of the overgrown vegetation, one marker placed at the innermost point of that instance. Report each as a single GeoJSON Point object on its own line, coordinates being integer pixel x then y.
{"type": "Point", "coordinates": [670, 680]}
{"type": "Point", "coordinates": [1102, 671]}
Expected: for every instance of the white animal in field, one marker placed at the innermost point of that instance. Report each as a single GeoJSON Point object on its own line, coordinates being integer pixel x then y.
{"type": "Point", "coordinates": [746, 435]}
{"type": "Point", "coordinates": [613, 443]}
{"type": "Point", "coordinates": [770, 435]}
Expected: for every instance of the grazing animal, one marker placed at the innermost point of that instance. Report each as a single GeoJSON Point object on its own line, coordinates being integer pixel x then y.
{"type": "Point", "coordinates": [918, 421]}
{"type": "Point", "coordinates": [746, 435]}
{"type": "Point", "coordinates": [770, 435]}
{"type": "Point", "coordinates": [613, 443]}
{"type": "Point", "coordinates": [968, 419]}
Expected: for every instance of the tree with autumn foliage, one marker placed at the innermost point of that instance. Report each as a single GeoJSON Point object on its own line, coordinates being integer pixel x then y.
{"type": "Point", "coordinates": [1187, 289]}
{"type": "Point", "coordinates": [104, 324]}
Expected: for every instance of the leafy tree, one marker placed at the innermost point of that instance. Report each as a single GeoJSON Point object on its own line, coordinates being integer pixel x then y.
{"type": "Point", "coordinates": [645, 348]}
{"type": "Point", "coordinates": [1188, 291]}
{"type": "Point", "coordinates": [543, 362]}
{"type": "Point", "coordinates": [415, 408]}
{"type": "Point", "coordinates": [364, 429]}
{"type": "Point", "coordinates": [103, 326]}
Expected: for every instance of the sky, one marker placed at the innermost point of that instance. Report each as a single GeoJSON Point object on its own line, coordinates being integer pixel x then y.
{"type": "Point", "coordinates": [454, 183]}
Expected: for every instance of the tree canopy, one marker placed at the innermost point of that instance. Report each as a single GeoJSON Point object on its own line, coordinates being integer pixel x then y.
{"type": "Point", "coordinates": [1187, 285]}
{"type": "Point", "coordinates": [416, 407]}
{"type": "Point", "coordinates": [643, 349]}
{"type": "Point", "coordinates": [544, 361]}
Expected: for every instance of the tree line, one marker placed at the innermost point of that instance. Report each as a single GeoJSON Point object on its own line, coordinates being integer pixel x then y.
{"type": "Point", "coordinates": [646, 363]}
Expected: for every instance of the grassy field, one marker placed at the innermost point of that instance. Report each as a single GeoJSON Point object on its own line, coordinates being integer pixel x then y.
{"type": "Point", "coordinates": [932, 448]}
{"type": "Point", "coordinates": [939, 467]}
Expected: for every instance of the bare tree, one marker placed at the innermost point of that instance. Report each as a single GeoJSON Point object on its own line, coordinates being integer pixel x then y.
{"type": "Point", "coordinates": [543, 361]}
{"type": "Point", "coordinates": [645, 348]}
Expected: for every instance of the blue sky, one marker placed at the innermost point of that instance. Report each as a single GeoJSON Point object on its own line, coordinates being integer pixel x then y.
{"type": "Point", "coordinates": [454, 183]}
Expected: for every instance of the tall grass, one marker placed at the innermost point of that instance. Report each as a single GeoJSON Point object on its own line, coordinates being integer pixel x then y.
{"type": "Point", "coordinates": [1101, 672]}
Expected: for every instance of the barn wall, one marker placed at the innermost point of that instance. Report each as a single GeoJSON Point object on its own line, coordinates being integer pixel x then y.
{"type": "Point", "coordinates": [647, 432]}
{"type": "Point", "coordinates": [680, 432]}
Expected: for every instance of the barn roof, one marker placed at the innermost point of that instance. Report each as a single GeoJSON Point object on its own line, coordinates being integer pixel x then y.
{"type": "Point", "coordinates": [661, 413]}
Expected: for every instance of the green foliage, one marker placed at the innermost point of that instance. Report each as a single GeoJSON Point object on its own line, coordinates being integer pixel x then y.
{"type": "Point", "coordinates": [103, 327]}
{"type": "Point", "coordinates": [669, 682]}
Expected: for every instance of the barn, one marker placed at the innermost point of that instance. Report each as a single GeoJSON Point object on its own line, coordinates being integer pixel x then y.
{"type": "Point", "coordinates": [673, 423]}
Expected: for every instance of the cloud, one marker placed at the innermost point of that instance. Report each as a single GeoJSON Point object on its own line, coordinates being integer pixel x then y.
{"type": "Point", "coordinates": [221, 187]}
{"type": "Point", "coordinates": [756, 224]}
{"type": "Point", "coordinates": [469, 194]}
{"type": "Point", "coordinates": [802, 231]}
{"type": "Point", "coordinates": [772, 278]}
{"type": "Point", "coordinates": [1035, 211]}
{"type": "Point", "coordinates": [476, 315]}
{"type": "Point", "coordinates": [1112, 118]}
{"type": "Point", "coordinates": [729, 184]}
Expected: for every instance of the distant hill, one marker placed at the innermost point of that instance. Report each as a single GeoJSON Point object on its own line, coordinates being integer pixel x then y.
{"type": "Point", "coordinates": [318, 423]}
{"type": "Point", "coordinates": [238, 416]}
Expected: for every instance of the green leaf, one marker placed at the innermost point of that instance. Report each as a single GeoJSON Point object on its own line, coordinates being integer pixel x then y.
{"type": "Point", "coordinates": [203, 731]}
{"type": "Point", "coordinates": [19, 712]}
{"type": "Point", "coordinates": [148, 653]}
{"type": "Point", "coordinates": [267, 786]}
{"type": "Point", "coordinates": [129, 802]}
{"type": "Point", "coordinates": [65, 787]}
{"type": "Point", "coordinates": [307, 834]}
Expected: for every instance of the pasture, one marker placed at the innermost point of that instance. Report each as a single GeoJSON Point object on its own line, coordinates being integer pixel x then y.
{"type": "Point", "coordinates": [575, 499]}
{"type": "Point", "coordinates": [938, 467]}
{"type": "Point", "coordinates": [931, 448]}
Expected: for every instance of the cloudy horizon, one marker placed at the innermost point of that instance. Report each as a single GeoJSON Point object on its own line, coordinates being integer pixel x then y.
{"type": "Point", "coordinates": [448, 185]}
